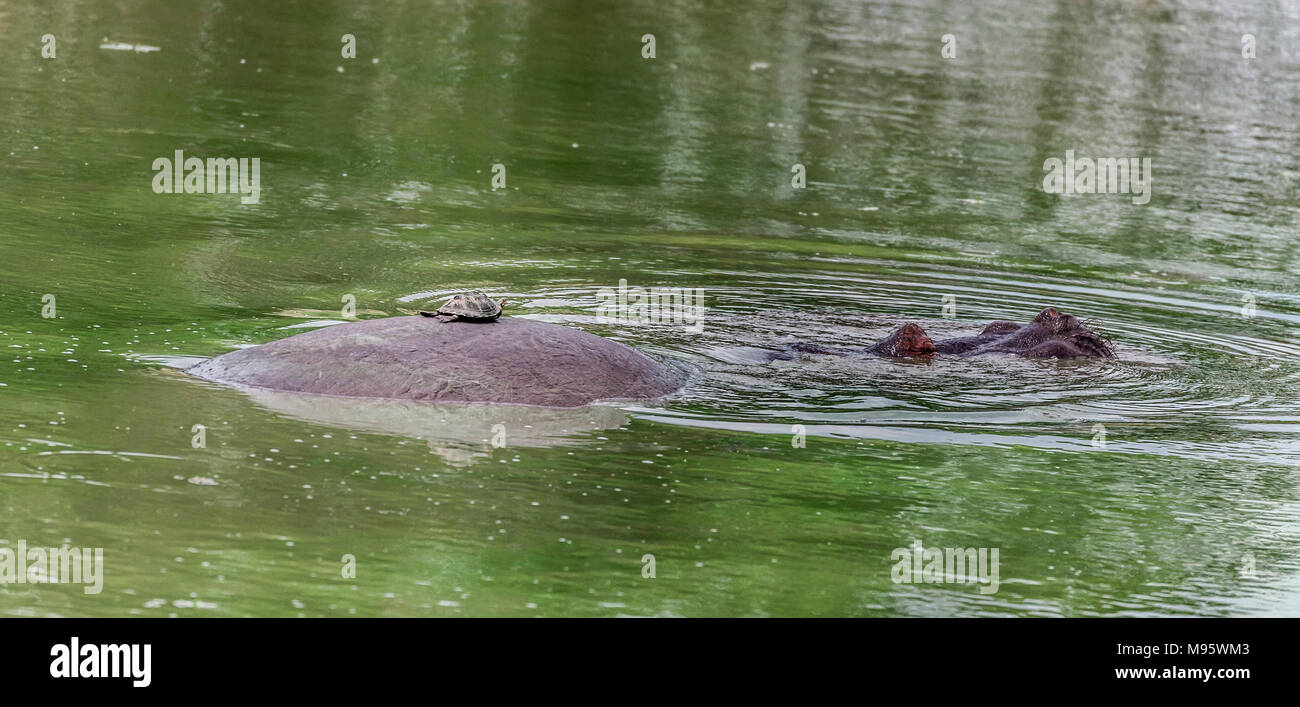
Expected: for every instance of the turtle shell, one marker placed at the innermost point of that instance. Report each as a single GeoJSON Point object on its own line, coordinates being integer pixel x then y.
{"type": "Point", "coordinates": [473, 306]}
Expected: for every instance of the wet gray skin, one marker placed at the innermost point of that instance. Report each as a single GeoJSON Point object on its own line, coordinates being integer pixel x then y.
{"type": "Point", "coordinates": [964, 344]}
{"type": "Point", "coordinates": [508, 361]}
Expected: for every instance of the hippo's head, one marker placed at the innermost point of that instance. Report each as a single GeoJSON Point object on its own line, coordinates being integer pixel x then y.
{"type": "Point", "coordinates": [1057, 322]}
{"type": "Point", "coordinates": [1068, 332]}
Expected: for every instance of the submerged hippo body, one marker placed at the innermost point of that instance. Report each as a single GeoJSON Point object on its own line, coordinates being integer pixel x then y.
{"type": "Point", "coordinates": [1051, 334]}
{"type": "Point", "coordinates": [511, 360]}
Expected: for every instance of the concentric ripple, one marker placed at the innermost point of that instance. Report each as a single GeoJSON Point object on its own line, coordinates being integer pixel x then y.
{"type": "Point", "coordinates": [1193, 377]}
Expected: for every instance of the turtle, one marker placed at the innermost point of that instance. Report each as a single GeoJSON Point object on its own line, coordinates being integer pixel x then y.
{"type": "Point", "coordinates": [468, 307]}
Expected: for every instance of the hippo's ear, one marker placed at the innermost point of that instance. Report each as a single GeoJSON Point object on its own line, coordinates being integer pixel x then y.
{"type": "Point", "coordinates": [1047, 317]}
{"type": "Point", "coordinates": [1056, 321]}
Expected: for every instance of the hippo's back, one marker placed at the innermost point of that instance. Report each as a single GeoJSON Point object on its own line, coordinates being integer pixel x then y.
{"type": "Point", "coordinates": [510, 360]}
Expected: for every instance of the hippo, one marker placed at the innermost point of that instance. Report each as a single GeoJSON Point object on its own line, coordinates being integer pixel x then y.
{"type": "Point", "coordinates": [507, 361]}
{"type": "Point", "coordinates": [1051, 334]}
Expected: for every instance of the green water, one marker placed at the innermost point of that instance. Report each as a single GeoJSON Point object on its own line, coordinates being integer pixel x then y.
{"type": "Point", "coordinates": [923, 180]}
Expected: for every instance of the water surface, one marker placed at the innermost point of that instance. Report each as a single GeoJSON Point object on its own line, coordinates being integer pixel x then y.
{"type": "Point", "coordinates": [924, 181]}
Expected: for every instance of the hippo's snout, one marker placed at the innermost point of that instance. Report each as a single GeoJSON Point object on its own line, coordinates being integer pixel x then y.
{"type": "Point", "coordinates": [913, 341]}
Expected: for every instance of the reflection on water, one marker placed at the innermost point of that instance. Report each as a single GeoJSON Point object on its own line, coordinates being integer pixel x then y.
{"type": "Point", "coordinates": [457, 433]}
{"type": "Point", "coordinates": [924, 181]}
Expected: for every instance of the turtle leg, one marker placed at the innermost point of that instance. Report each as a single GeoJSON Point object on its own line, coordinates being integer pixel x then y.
{"type": "Point", "coordinates": [447, 317]}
